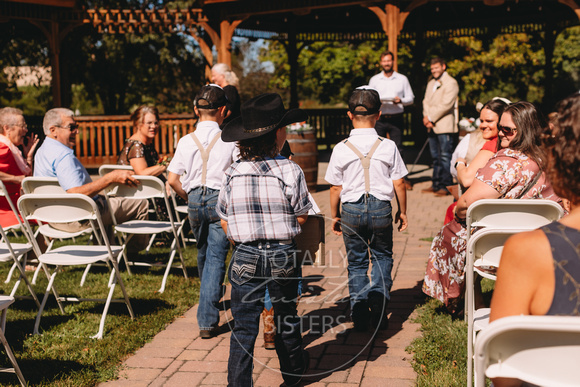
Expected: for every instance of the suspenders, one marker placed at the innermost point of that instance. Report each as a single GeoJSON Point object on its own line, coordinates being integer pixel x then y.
{"type": "Point", "coordinates": [204, 154]}
{"type": "Point", "coordinates": [365, 160]}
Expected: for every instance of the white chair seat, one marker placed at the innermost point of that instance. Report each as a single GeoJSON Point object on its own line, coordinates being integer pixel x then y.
{"type": "Point", "coordinates": [18, 248]}
{"type": "Point", "coordinates": [541, 350]}
{"type": "Point", "coordinates": [144, 227]}
{"type": "Point", "coordinates": [51, 232]}
{"type": "Point", "coordinates": [182, 209]}
{"type": "Point", "coordinates": [6, 301]}
{"type": "Point", "coordinates": [80, 255]}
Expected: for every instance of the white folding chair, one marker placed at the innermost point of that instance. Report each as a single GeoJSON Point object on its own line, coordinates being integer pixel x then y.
{"type": "Point", "coordinates": [17, 254]}
{"type": "Point", "coordinates": [542, 350]}
{"type": "Point", "coordinates": [483, 257]}
{"type": "Point", "coordinates": [150, 187]}
{"type": "Point", "coordinates": [50, 185]}
{"type": "Point", "coordinates": [517, 214]}
{"type": "Point", "coordinates": [511, 215]}
{"type": "Point", "coordinates": [106, 168]}
{"type": "Point", "coordinates": [65, 208]}
{"type": "Point", "coordinates": [181, 216]}
{"type": "Point", "coordinates": [5, 302]}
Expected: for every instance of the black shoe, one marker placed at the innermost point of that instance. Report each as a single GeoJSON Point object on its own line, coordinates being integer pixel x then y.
{"type": "Point", "coordinates": [295, 380]}
{"type": "Point", "coordinates": [378, 304]}
{"type": "Point", "coordinates": [206, 333]}
{"type": "Point", "coordinates": [361, 316]}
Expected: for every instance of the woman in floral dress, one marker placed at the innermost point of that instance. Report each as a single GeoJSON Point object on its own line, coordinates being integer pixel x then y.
{"type": "Point", "coordinates": [511, 174]}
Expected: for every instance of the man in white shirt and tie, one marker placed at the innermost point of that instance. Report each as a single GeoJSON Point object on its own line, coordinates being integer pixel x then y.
{"type": "Point", "coordinates": [396, 93]}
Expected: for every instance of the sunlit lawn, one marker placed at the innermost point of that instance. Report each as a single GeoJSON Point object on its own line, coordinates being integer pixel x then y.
{"type": "Point", "coordinates": [440, 354]}
{"type": "Point", "coordinates": [64, 354]}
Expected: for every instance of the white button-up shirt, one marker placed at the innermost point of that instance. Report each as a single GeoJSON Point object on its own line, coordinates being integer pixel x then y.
{"type": "Point", "coordinates": [345, 168]}
{"type": "Point", "coordinates": [188, 163]}
{"type": "Point", "coordinates": [397, 85]}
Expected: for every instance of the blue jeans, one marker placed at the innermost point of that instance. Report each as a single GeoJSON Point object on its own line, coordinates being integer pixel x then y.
{"type": "Point", "coordinates": [368, 224]}
{"type": "Point", "coordinates": [212, 249]}
{"type": "Point", "coordinates": [441, 147]}
{"type": "Point", "coordinates": [253, 268]}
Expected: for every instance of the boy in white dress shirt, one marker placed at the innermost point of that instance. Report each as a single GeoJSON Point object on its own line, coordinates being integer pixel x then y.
{"type": "Point", "coordinates": [202, 157]}
{"type": "Point", "coordinates": [366, 171]}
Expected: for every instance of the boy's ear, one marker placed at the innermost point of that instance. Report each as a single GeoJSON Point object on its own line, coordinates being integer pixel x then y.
{"type": "Point", "coordinates": [350, 115]}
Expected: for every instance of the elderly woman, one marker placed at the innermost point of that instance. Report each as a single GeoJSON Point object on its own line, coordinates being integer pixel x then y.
{"type": "Point", "coordinates": [13, 166]}
{"type": "Point", "coordinates": [223, 76]}
{"type": "Point", "coordinates": [512, 173]}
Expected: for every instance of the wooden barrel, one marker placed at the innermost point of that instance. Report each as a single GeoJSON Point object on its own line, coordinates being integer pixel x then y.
{"type": "Point", "coordinates": [303, 145]}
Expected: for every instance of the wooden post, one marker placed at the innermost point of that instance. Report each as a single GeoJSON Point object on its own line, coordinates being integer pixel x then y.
{"type": "Point", "coordinates": [392, 20]}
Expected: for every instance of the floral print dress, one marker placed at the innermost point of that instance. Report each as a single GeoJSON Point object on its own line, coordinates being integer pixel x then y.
{"type": "Point", "coordinates": [509, 172]}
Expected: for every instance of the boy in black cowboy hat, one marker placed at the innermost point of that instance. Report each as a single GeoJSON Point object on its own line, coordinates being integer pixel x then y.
{"type": "Point", "coordinates": [366, 172]}
{"type": "Point", "coordinates": [262, 203]}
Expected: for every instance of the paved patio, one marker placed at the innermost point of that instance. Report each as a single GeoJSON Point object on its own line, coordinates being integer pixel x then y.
{"type": "Point", "coordinates": [340, 356]}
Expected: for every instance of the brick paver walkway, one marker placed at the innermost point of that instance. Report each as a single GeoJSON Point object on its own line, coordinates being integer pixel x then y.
{"type": "Point", "coordinates": [340, 356]}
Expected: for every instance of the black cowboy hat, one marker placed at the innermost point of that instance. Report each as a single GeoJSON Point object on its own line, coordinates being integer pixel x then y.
{"type": "Point", "coordinates": [261, 115]}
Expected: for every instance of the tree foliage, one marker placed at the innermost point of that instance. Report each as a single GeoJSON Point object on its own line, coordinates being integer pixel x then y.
{"type": "Point", "coordinates": [125, 71]}
{"type": "Point", "coordinates": [510, 65]}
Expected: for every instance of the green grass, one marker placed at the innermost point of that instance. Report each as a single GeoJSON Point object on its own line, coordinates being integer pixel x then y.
{"type": "Point", "coordinates": [440, 354]}
{"type": "Point", "coordinates": [64, 354]}
{"type": "Point", "coordinates": [429, 239]}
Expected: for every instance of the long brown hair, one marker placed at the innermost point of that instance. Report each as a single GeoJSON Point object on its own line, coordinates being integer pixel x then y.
{"type": "Point", "coordinates": [530, 124]}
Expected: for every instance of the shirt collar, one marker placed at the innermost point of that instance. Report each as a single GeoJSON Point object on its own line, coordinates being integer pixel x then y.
{"type": "Point", "coordinates": [363, 132]}
{"type": "Point", "coordinates": [207, 124]}
{"type": "Point", "coordinates": [56, 143]}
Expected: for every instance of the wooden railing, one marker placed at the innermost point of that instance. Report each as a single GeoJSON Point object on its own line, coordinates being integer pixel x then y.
{"type": "Point", "coordinates": [100, 138]}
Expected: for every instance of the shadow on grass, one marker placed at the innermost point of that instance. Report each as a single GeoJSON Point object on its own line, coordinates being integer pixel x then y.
{"type": "Point", "coordinates": [37, 373]}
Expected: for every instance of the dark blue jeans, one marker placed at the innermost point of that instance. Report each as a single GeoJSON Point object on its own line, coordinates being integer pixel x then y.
{"type": "Point", "coordinates": [253, 268]}
{"type": "Point", "coordinates": [212, 249]}
{"type": "Point", "coordinates": [367, 224]}
{"type": "Point", "coordinates": [441, 147]}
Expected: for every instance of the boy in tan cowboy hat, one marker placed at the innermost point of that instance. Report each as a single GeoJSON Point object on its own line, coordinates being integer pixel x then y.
{"type": "Point", "coordinates": [262, 203]}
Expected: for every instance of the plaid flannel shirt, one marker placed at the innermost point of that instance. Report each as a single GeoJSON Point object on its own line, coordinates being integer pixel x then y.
{"type": "Point", "coordinates": [261, 199]}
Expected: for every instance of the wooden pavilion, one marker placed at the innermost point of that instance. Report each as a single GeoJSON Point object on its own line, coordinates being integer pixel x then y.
{"type": "Point", "coordinates": [213, 23]}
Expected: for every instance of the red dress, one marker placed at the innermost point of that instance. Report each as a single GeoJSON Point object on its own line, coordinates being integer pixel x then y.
{"type": "Point", "coordinates": [8, 165]}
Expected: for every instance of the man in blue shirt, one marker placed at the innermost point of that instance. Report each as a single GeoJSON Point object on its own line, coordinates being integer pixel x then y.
{"type": "Point", "coordinates": [55, 158]}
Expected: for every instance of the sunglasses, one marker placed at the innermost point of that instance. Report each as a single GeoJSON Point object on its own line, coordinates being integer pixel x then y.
{"type": "Point", "coordinates": [507, 130]}
{"type": "Point", "coordinates": [71, 127]}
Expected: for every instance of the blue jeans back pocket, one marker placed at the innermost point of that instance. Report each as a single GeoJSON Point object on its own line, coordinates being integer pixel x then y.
{"type": "Point", "coordinates": [243, 267]}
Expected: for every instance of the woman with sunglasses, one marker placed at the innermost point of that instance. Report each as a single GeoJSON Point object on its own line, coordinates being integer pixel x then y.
{"type": "Point", "coordinates": [140, 153]}
{"type": "Point", "coordinates": [512, 173]}
{"type": "Point", "coordinates": [540, 269]}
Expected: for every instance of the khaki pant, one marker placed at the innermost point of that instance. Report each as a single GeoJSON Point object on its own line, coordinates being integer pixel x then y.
{"type": "Point", "coordinates": [124, 209]}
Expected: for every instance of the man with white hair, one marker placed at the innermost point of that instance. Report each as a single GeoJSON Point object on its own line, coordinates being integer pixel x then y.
{"type": "Point", "coordinates": [55, 158]}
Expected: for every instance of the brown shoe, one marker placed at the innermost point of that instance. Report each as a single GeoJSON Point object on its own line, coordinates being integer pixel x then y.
{"type": "Point", "coordinates": [442, 192]}
{"type": "Point", "coordinates": [269, 328]}
{"type": "Point", "coordinates": [428, 190]}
